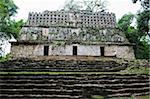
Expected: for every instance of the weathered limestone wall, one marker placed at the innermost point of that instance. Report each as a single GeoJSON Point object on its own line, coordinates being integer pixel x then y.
{"type": "Point", "coordinates": [79, 18]}
{"type": "Point", "coordinates": [120, 51]}
{"type": "Point", "coordinates": [87, 50]}
{"type": "Point", "coordinates": [26, 50]}
{"type": "Point", "coordinates": [66, 33]}
{"type": "Point", "coordinates": [93, 50]}
{"type": "Point", "coordinates": [126, 52]}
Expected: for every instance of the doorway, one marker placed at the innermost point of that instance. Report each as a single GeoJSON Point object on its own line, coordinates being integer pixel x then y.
{"type": "Point", "coordinates": [46, 50]}
{"type": "Point", "coordinates": [102, 49]}
{"type": "Point", "coordinates": [75, 50]}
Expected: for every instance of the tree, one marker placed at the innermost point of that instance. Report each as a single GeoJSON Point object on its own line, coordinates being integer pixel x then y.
{"type": "Point", "coordinates": [124, 24]}
{"type": "Point", "coordinates": [71, 5]}
{"type": "Point", "coordinates": [95, 5]}
{"type": "Point", "coordinates": [89, 5]}
{"type": "Point", "coordinates": [8, 28]}
{"type": "Point", "coordinates": [125, 21]}
{"type": "Point", "coordinates": [135, 35]}
{"type": "Point", "coordinates": [15, 27]}
{"type": "Point", "coordinates": [7, 10]}
{"type": "Point", "coordinates": [144, 3]}
{"type": "Point", "coordinates": [143, 22]}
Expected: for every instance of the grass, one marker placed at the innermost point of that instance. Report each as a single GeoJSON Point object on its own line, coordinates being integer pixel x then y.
{"type": "Point", "coordinates": [132, 97]}
{"type": "Point", "coordinates": [5, 58]}
{"type": "Point", "coordinates": [136, 70]}
{"type": "Point", "coordinates": [97, 97]}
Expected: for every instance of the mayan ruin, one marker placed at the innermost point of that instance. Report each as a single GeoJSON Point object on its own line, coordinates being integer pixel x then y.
{"type": "Point", "coordinates": [74, 49]}
{"type": "Point", "coordinates": [72, 33]}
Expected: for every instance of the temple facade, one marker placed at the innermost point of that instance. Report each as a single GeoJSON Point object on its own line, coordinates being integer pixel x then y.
{"type": "Point", "coordinates": [71, 33]}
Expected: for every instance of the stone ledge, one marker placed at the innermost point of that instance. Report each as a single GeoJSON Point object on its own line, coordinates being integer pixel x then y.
{"type": "Point", "coordinates": [35, 42]}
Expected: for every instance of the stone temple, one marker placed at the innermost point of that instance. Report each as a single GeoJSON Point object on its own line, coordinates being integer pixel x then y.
{"type": "Point", "coordinates": [67, 33]}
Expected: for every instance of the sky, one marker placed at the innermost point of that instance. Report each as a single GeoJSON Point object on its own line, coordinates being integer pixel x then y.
{"type": "Point", "coordinates": [119, 7]}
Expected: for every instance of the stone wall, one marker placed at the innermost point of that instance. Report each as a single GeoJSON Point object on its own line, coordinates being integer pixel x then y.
{"type": "Point", "coordinates": [120, 51]}
{"type": "Point", "coordinates": [87, 50]}
{"type": "Point", "coordinates": [26, 50]}
{"type": "Point", "coordinates": [80, 34]}
{"type": "Point", "coordinates": [78, 19]}
{"type": "Point", "coordinates": [92, 50]}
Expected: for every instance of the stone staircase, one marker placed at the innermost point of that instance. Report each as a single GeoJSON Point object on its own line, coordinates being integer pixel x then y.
{"type": "Point", "coordinates": [26, 65]}
{"type": "Point", "coordinates": [26, 83]}
{"type": "Point", "coordinates": [71, 86]}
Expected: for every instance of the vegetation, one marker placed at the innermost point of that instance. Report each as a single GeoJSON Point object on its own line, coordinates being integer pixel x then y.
{"type": "Point", "coordinates": [136, 70]}
{"type": "Point", "coordinates": [144, 3]}
{"type": "Point", "coordinates": [8, 28]}
{"type": "Point", "coordinates": [7, 10]}
{"type": "Point", "coordinates": [97, 97]}
{"type": "Point", "coordinates": [132, 97]}
{"type": "Point", "coordinates": [89, 5]}
{"type": "Point", "coordinates": [5, 58]}
{"type": "Point", "coordinates": [137, 34]}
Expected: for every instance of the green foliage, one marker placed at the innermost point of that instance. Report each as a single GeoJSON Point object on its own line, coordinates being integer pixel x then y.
{"type": "Point", "coordinates": [5, 58]}
{"type": "Point", "coordinates": [143, 22]}
{"type": "Point", "coordinates": [133, 97]}
{"type": "Point", "coordinates": [7, 26]}
{"type": "Point", "coordinates": [14, 28]}
{"type": "Point", "coordinates": [136, 70]}
{"type": "Point", "coordinates": [132, 34]}
{"type": "Point", "coordinates": [7, 9]}
{"type": "Point", "coordinates": [135, 34]}
{"type": "Point", "coordinates": [142, 50]}
{"type": "Point", "coordinates": [97, 97]}
{"type": "Point", "coordinates": [125, 22]}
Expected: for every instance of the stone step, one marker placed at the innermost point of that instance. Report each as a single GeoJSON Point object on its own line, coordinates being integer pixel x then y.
{"type": "Point", "coordinates": [60, 70]}
{"type": "Point", "coordinates": [100, 81]}
{"type": "Point", "coordinates": [92, 84]}
{"type": "Point", "coordinates": [77, 84]}
{"type": "Point", "coordinates": [37, 65]}
{"type": "Point", "coordinates": [5, 96]}
{"type": "Point", "coordinates": [64, 67]}
{"type": "Point", "coordinates": [34, 91]}
{"type": "Point", "coordinates": [110, 85]}
{"type": "Point", "coordinates": [123, 90]}
{"type": "Point", "coordinates": [58, 65]}
{"type": "Point", "coordinates": [73, 80]}
{"type": "Point", "coordinates": [128, 94]}
{"type": "Point", "coordinates": [72, 86]}
{"type": "Point", "coordinates": [71, 75]}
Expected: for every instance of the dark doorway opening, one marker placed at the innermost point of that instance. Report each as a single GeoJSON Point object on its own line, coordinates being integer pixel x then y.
{"type": "Point", "coordinates": [46, 50]}
{"type": "Point", "coordinates": [102, 51]}
{"type": "Point", "coordinates": [75, 50]}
